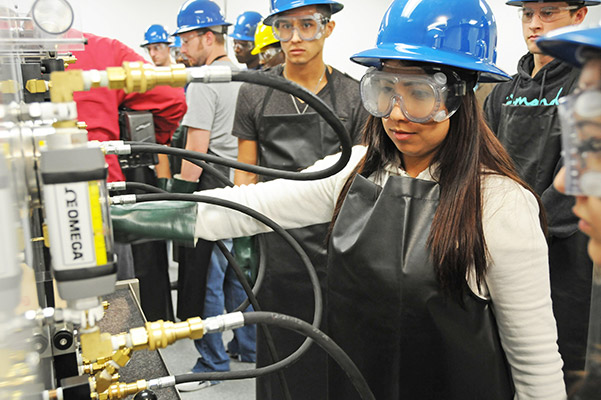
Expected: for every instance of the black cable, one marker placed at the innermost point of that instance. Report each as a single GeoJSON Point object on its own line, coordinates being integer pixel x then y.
{"type": "Point", "coordinates": [260, 273]}
{"type": "Point", "coordinates": [253, 300]}
{"type": "Point", "coordinates": [300, 326]}
{"type": "Point", "coordinates": [292, 358]}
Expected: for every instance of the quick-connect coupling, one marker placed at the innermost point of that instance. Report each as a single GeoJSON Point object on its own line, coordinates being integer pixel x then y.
{"type": "Point", "coordinates": [122, 390]}
{"type": "Point", "coordinates": [138, 77]}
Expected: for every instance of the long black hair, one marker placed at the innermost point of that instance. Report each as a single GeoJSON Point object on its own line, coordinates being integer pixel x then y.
{"type": "Point", "coordinates": [469, 152]}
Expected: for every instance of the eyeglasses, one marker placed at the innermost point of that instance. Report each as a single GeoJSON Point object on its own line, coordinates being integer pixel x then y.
{"type": "Point", "coordinates": [243, 45]}
{"type": "Point", "coordinates": [185, 40]}
{"type": "Point", "coordinates": [266, 55]}
{"type": "Point", "coordinates": [308, 27]}
{"type": "Point", "coordinates": [421, 98]}
{"type": "Point", "coordinates": [545, 14]}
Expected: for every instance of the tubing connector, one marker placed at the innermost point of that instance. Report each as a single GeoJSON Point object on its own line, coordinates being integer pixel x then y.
{"type": "Point", "coordinates": [125, 199]}
{"type": "Point", "coordinates": [209, 74]}
{"type": "Point", "coordinates": [224, 322]}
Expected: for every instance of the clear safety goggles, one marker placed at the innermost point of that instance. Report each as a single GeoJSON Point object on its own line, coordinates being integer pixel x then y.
{"type": "Point", "coordinates": [580, 116]}
{"type": "Point", "coordinates": [308, 27]}
{"type": "Point", "coordinates": [266, 55]}
{"type": "Point", "coordinates": [422, 98]}
{"type": "Point", "coordinates": [242, 45]}
{"type": "Point", "coordinates": [545, 14]}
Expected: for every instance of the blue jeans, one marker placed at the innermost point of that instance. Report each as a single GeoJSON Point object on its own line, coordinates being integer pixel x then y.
{"type": "Point", "coordinates": [224, 291]}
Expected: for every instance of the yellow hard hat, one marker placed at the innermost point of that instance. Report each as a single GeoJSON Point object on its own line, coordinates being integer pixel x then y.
{"type": "Point", "coordinates": [263, 38]}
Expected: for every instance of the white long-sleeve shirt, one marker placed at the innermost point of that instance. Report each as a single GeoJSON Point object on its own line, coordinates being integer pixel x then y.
{"type": "Point", "coordinates": [517, 279]}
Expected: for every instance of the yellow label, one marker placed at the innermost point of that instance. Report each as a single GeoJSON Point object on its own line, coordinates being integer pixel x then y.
{"type": "Point", "coordinates": [97, 224]}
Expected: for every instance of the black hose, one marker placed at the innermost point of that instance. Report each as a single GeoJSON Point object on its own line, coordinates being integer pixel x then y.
{"type": "Point", "coordinates": [292, 358]}
{"type": "Point", "coordinates": [286, 86]}
{"type": "Point", "coordinates": [300, 326]}
{"type": "Point", "coordinates": [253, 300]}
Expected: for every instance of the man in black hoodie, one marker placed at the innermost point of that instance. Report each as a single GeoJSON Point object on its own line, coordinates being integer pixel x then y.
{"type": "Point", "coordinates": [523, 115]}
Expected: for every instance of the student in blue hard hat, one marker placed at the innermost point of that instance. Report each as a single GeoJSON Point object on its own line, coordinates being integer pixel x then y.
{"type": "Point", "coordinates": [244, 38]}
{"type": "Point", "coordinates": [270, 123]}
{"type": "Point", "coordinates": [523, 115]}
{"type": "Point", "coordinates": [438, 283]}
{"type": "Point", "coordinates": [156, 42]}
{"type": "Point", "coordinates": [581, 176]}
{"type": "Point", "coordinates": [201, 27]}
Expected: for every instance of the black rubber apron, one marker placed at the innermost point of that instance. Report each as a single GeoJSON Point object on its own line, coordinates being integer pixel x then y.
{"type": "Point", "coordinates": [532, 137]}
{"type": "Point", "coordinates": [386, 311]}
{"type": "Point", "coordinates": [293, 142]}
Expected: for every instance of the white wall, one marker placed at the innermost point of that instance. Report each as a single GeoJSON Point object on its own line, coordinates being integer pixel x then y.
{"type": "Point", "coordinates": [356, 26]}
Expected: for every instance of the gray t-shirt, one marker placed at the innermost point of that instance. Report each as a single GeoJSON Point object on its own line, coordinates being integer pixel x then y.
{"type": "Point", "coordinates": [211, 107]}
{"type": "Point", "coordinates": [346, 93]}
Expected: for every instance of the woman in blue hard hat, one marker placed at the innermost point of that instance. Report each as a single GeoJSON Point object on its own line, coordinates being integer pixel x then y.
{"type": "Point", "coordinates": [438, 275]}
{"type": "Point", "coordinates": [582, 48]}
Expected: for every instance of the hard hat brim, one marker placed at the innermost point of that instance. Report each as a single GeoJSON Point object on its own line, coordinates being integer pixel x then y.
{"type": "Point", "coordinates": [519, 3]}
{"type": "Point", "coordinates": [400, 51]}
{"type": "Point", "coordinates": [189, 28]}
{"type": "Point", "coordinates": [567, 44]}
{"type": "Point", "coordinates": [336, 7]}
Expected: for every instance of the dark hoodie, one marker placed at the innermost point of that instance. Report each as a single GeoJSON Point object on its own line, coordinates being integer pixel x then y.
{"type": "Point", "coordinates": [523, 115]}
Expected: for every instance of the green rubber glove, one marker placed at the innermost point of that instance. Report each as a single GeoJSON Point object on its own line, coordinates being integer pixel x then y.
{"type": "Point", "coordinates": [164, 184]}
{"type": "Point", "coordinates": [168, 220]}
{"type": "Point", "coordinates": [179, 185]}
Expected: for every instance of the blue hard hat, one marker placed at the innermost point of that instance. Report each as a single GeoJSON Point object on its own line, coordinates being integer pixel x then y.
{"type": "Point", "coordinates": [279, 6]}
{"type": "Point", "coordinates": [519, 3]}
{"type": "Point", "coordinates": [177, 42]}
{"type": "Point", "coordinates": [197, 14]}
{"type": "Point", "coordinates": [246, 25]}
{"type": "Point", "coordinates": [155, 34]}
{"type": "Point", "coordinates": [570, 44]}
{"type": "Point", "coordinates": [457, 33]}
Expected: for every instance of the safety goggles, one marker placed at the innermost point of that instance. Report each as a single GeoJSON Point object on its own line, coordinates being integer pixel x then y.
{"type": "Point", "coordinates": [580, 115]}
{"type": "Point", "coordinates": [308, 27]}
{"type": "Point", "coordinates": [434, 96]}
{"type": "Point", "coordinates": [155, 46]}
{"type": "Point", "coordinates": [266, 55]}
{"type": "Point", "coordinates": [545, 14]}
{"type": "Point", "coordinates": [241, 45]}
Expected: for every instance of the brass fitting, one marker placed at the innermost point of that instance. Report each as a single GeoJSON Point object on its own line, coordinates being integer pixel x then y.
{"type": "Point", "coordinates": [122, 390]}
{"type": "Point", "coordinates": [9, 87]}
{"type": "Point", "coordinates": [63, 84]}
{"type": "Point", "coordinates": [139, 77]}
{"type": "Point", "coordinates": [68, 60]}
{"type": "Point", "coordinates": [95, 345]}
{"type": "Point", "coordinates": [160, 334]}
{"type": "Point", "coordinates": [36, 86]}
{"type": "Point", "coordinates": [105, 378]}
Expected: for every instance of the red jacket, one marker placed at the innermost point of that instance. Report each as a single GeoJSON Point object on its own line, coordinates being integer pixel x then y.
{"type": "Point", "coordinates": [98, 108]}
